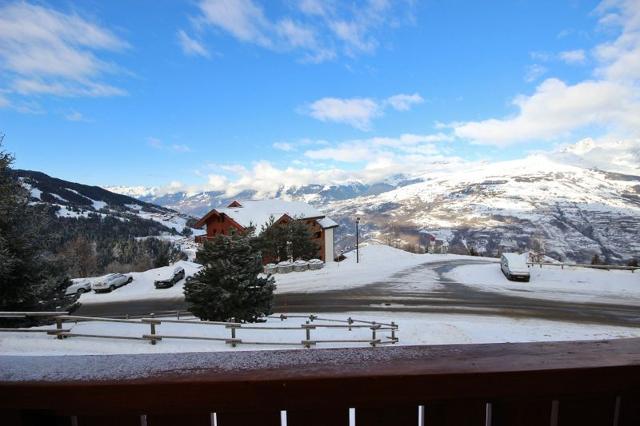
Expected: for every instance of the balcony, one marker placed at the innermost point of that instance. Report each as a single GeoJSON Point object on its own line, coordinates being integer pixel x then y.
{"type": "Point", "coordinates": [553, 383]}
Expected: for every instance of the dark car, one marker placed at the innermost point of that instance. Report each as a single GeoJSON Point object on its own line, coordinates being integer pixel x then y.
{"type": "Point", "coordinates": [177, 275]}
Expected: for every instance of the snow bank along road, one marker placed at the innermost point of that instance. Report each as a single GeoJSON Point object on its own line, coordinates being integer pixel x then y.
{"type": "Point", "coordinates": [391, 280]}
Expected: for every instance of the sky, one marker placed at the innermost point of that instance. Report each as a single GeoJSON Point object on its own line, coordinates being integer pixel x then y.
{"type": "Point", "coordinates": [247, 94]}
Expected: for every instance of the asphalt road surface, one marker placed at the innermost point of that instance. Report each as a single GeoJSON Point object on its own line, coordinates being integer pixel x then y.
{"type": "Point", "coordinates": [400, 293]}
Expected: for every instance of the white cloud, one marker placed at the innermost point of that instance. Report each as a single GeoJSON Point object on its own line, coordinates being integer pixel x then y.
{"type": "Point", "coordinates": [534, 72]}
{"type": "Point", "coordinates": [577, 56]}
{"type": "Point", "coordinates": [609, 102]}
{"type": "Point", "coordinates": [610, 154]}
{"type": "Point", "coordinates": [180, 148]}
{"type": "Point", "coordinates": [158, 144]}
{"type": "Point", "coordinates": [554, 110]}
{"type": "Point", "coordinates": [155, 143]}
{"type": "Point", "coordinates": [318, 29]}
{"type": "Point", "coordinates": [359, 112]}
{"type": "Point", "coordinates": [402, 102]}
{"type": "Point", "coordinates": [243, 19]}
{"type": "Point", "coordinates": [620, 58]}
{"type": "Point", "coordinates": [191, 46]}
{"type": "Point", "coordinates": [284, 146]}
{"type": "Point", "coordinates": [314, 7]}
{"type": "Point", "coordinates": [74, 116]}
{"type": "Point", "coordinates": [366, 150]}
{"type": "Point", "coordinates": [43, 51]}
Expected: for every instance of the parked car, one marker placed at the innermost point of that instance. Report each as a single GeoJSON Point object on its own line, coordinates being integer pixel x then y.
{"type": "Point", "coordinates": [177, 275]}
{"type": "Point", "coordinates": [111, 282]}
{"type": "Point", "coordinates": [514, 267]}
{"type": "Point", "coordinates": [78, 287]}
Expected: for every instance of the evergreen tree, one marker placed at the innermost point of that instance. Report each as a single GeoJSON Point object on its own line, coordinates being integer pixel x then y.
{"type": "Point", "coordinates": [280, 241]}
{"type": "Point", "coordinates": [302, 245]}
{"type": "Point", "coordinates": [29, 278]}
{"type": "Point", "coordinates": [272, 241]}
{"type": "Point", "coordinates": [228, 286]}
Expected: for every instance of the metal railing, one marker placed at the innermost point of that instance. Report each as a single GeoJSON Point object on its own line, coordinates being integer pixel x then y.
{"type": "Point", "coordinates": [585, 265]}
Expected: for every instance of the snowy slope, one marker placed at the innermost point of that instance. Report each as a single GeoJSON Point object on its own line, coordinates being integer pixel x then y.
{"type": "Point", "coordinates": [573, 212]}
{"type": "Point", "coordinates": [74, 200]}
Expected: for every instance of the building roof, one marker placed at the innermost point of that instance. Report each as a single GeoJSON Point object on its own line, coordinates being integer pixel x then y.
{"type": "Point", "coordinates": [326, 223]}
{"type": "Point", "coordinates": [257, 213]}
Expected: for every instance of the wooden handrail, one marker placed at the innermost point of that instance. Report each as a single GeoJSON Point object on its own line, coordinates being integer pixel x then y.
{"type": "Point", "coordinates": [588, 383]}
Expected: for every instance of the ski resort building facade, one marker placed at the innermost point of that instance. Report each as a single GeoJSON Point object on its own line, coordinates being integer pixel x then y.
{"type": "Point", "coordinates": [239, 216]}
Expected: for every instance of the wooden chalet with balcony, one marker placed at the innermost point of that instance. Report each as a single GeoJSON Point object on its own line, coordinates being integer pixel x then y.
{"type": "Point", "coordinates": [240, 216]}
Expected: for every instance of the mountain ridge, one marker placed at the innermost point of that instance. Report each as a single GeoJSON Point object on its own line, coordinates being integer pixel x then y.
{"type": "Point", "coordinates": [570, 212]}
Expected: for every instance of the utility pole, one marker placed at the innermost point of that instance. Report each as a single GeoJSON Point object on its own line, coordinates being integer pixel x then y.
{"type": "Point", "coordinates": [357, 240]}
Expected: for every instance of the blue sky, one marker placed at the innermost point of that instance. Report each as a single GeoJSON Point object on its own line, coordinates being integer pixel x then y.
{"type": "Point", "coordinates": [221, 94]}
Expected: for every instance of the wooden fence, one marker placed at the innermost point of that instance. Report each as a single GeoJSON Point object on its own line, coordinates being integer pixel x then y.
{"type": "Point", "coordinates": [153, 337]}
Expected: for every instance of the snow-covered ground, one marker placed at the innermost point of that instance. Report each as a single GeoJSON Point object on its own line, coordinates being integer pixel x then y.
{"type": "Point", "coordinates": [377, 263]}
{"type": "Point", "coordinates": [553, 283]}
{"type": "Point", "coordinates": [414, 329]}
{"type": "Point", "coordinates": [142, 287]}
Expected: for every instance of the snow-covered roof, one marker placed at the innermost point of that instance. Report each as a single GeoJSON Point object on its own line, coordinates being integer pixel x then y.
{"type": "Point", "coordinates": [516, 259]}
{"type": "Point", "coordinates": [326, 222]}
{"type": "Point", "coordinates": [257, 213]}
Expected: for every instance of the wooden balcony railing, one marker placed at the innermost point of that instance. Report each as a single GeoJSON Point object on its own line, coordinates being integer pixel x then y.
{"type": "Point", "coordinates": [553, 383]}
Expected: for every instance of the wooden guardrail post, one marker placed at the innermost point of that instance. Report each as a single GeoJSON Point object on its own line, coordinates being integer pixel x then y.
{"type": "Point", "coordinates": [233, 334]}
{"type": "Point", "coordinates": [307, 335]}
{"type": "Point", "coordinates": [393, 333]}
{"type": "Point", "coordinates": [153, 330]}
{"type": "Point", "coordinates": [59, 328]}
{"type": "Point", "coordinates": [374, 327]}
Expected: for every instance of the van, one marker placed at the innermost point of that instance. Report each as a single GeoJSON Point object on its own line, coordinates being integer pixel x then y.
{"type": "Point", "coordinates": [514, 267]}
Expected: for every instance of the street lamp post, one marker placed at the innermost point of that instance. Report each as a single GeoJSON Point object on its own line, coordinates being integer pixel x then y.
{"type": "Point", "coordinates": [357, 240]}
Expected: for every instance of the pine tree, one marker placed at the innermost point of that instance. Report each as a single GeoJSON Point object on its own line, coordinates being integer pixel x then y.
{"type": "Point", "coordinates": [302, 245]}
{"type": "Point", "coordinates": [228, 286]}
{"type": "Point", "coordinates": [272, 241]}
{"type": "Point", "coordinates": [29, 278]}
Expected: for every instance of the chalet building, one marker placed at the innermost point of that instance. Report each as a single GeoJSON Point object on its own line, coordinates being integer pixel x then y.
{"type": "Point", "coordinates": [239, 216]}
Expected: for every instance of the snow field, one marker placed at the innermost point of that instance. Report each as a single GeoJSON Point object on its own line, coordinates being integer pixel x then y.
{"type": "Point", "coordinates": [553, 283]}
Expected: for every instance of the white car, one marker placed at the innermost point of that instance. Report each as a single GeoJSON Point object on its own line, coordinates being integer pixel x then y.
{"type": "Point", "coordinates": [110, 282]}
{"type": "Point", "coordinates": [514, 267]}
{"type": "Point", "coordinates": [78, 287]}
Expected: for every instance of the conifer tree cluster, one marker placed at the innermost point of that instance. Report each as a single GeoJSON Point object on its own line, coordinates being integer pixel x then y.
{"type": "Point", "coordinates": [229, 287]}
{"type": "Point", "coordinates": [287, 240]}
{"type": "Point", "coordinates": [29, 278]}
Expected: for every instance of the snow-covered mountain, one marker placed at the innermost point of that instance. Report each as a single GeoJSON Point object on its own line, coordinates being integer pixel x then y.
{"type": "Point", "coordinates": [572, 212]}
{"type": "Point", "coordinates": [75, 200]}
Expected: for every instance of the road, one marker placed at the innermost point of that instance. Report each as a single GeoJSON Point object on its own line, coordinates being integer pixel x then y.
{"type": "Point", "coordinates": [394, 294]}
